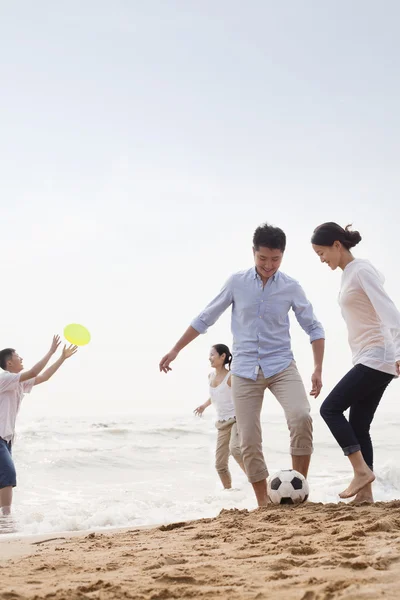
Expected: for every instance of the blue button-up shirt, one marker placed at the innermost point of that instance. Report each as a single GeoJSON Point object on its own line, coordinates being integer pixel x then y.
{"type": "Point", "coordinates": [260, 321]}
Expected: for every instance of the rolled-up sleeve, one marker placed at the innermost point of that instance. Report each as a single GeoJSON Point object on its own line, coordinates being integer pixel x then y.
{"type": "Point", "coordinates": [305, 316]}
{"type": "Point", "coordinates": [215, 308]}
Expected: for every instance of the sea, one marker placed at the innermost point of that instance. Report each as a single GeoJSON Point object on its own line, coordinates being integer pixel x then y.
{"type": "Point", "coordinates": [79, 474]}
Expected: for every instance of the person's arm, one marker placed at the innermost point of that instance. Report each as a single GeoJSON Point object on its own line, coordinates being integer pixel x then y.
{"type": "Point", "coordinates": [38, 368]}
{"type": "Point", "coordinates": [200, 324]}
{"type": "Point", "coordinates": [384, 307]}
{"type": "Point", "coordinates": [304, 312]}
{"type": "Point", "coordinates": [318, 348]}
{"type": "Point", "coordinates": [200, 409]}
{"type": "Point", "coordinates": [66, 353]}
{"type": "Point", "coordinates": [188, 337]}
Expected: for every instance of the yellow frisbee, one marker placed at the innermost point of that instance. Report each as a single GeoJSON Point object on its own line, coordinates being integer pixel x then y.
{"type": "Point", "coordinates": [77, 334]}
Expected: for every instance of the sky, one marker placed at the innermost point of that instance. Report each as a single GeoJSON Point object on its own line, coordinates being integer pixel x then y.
{"type": "Point", "coordinates": [141, 145]}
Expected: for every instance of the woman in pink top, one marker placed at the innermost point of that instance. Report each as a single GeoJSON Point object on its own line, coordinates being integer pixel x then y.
{"type": "Point", "coordinates": [373, 324]}
{"type": "Point", "coordinates": [221, 398]}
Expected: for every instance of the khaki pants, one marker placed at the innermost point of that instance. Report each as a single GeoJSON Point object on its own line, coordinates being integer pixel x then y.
{"type": "Point", "coordinates": [227, 443]}
{"type": "Point", "coordinates": [288, 389]}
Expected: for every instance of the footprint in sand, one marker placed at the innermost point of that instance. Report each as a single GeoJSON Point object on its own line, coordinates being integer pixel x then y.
{"type": "Point", "coordinates": [345, 518]}
{"type": "Point", "coordinates": [303, 550]}
{"type": "Point", "coordinates": [179, 579]}
{"type": "Point", "coordinates": [172, 526]}
{"type": "Point", "coordinates": [278, 576]}
{"type": "Point", "coordinates": [309, 595]}
{"type": "Point", "coordinates": [348, 554]}
{"type": "Point", "coordinates": [384, 563]}
{"type": "Point", "coordinates": [152, 567]}
{"type": "Point", "coordinates": [285, 564]}
{"type": "Point", "coordinates": [385, 524]}
{"type": "Point", "coordinates": [337, 586]}
{"type": "Point", "coordinates": [94, 587]}
{"type": "Point", "coordinates": [357, 565]}
{"type": "Point", "coordinates": [170, 560]}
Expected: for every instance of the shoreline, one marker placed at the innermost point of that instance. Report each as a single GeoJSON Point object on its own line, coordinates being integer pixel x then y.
{"type": "Point", "coordinates": [311, 551]}
{"type": "Point", "coordinates": [20, 545]}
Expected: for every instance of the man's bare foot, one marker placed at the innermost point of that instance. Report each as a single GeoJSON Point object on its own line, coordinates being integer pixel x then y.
{"type": "Point", "coordinates": [264, 503]}
{"type": "Point", "coordinates": [360, 480]}
{"type": "Point", "coordinates": [260, 490]}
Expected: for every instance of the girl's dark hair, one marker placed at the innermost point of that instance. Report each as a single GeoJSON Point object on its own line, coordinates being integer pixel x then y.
{"type": "Point", "coordinates": [329, 233]}
{"type": "Point", "coordinates": [222, 349]}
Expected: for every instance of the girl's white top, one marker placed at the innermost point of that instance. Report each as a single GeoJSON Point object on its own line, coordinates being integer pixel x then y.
{"type": "Point", "coordinates": [372, 319]}
{"type": "Point", "coordinates": [221, 397]}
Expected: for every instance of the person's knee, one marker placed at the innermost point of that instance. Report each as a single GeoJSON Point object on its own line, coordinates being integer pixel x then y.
{"type": "Point", "coordinates": [235, 452]}
{"type": "Point", "coordinates": [301, 418]}
{"type": "Point", "coordinates": [323, 411]}
{"type": "Point", "coordinates": [250, 447]}
{"type": "Point", "coordinates": [327, 409]}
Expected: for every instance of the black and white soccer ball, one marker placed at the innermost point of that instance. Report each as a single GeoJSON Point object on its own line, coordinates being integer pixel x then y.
{"type": "Point", "coordinates": [287, 487]}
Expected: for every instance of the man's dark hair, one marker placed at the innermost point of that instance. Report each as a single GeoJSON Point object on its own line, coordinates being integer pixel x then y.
{"type": "Point", "coordinates": [5, 356]}
{"type": "Point", "coordinates": [267, 236]}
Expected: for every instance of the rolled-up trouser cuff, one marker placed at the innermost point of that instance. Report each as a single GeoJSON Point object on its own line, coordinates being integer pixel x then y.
{"type": "Point", "coordinates": [301, 451]}
{"type": "Point", "coordinates": [259, 476]}
{"type": "Point", "coordinates": [351, 449]}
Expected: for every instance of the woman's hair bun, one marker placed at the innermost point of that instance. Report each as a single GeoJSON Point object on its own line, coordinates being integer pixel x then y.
{"type": "Point", "coordinates": [352, 237]}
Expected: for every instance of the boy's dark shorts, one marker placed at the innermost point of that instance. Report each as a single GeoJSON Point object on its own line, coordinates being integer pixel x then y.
{"type": "Point", "coordinates": [8, 476]}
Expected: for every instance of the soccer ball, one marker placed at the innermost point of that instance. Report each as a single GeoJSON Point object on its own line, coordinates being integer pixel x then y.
{"type": "Point", "coordinates": [287, 487]}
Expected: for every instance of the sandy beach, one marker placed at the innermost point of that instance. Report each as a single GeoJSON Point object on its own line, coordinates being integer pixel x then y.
{"type": "Point", "coordinates": [309, 552]}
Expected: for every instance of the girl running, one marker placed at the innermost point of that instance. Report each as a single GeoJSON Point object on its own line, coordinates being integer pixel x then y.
{"type": "Point", "coordinates": [221, 398]}
{"type": "Point", "coordinates": [373, 324]}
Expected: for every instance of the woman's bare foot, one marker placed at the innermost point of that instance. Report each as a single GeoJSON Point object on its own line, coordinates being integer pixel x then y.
{"type": "Point", "coordinates": [361, 480]}
{"type": "Point", "coordinates": [364, 495]}
{"type": "Point", "coordinates": [360, 499]}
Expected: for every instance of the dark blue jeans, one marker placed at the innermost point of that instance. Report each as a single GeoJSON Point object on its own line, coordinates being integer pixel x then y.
{"type": "Point", "coordinates": [361, 390]}
{"type": "Point", "coordinates": [8, 476]}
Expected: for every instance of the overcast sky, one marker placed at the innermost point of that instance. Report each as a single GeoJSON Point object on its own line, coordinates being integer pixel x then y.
{"type": "Point", "coordinates": [142, 142]}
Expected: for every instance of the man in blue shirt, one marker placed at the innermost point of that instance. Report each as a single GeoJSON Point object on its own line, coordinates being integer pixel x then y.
{"type": "Point", "coordinates": [261, 298]}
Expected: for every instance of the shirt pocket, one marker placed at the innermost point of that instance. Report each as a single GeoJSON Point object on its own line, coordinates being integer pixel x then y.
{"type": "Point", "coordinates": [276, 311]}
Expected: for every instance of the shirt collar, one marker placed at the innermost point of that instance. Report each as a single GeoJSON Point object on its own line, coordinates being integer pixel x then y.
{"type": "Point", "coordinates": [274, 276]}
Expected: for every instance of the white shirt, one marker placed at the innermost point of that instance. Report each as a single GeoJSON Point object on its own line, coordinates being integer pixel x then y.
{"type": "Point", "coordinates": [221, 397]}
{"type": "Point", "coordinates": [372, 319]}
{"type": "Point", "coordinates": [11, 393]}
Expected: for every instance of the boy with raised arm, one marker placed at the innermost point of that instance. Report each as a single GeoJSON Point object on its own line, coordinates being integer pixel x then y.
{"type": "Point", "coordinates": [14, 384]}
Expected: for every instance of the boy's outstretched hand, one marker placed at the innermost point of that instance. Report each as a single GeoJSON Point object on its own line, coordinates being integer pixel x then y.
{"type": "Point", "coordinates": [55, 343]}
{"type": "Point", "coordinates": [70, 351]}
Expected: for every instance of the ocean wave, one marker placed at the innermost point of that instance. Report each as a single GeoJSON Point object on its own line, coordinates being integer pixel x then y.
{"type": "Point", "coordinates": [98, 473]}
